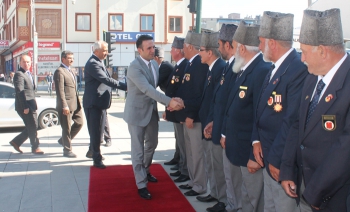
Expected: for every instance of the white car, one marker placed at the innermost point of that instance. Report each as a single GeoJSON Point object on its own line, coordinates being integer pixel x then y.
{"type": "Point", "coordinates": [47, 113]}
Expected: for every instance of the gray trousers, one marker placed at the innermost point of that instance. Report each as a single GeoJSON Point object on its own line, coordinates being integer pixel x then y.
{"type": "Point", "coordinates": [195, 158]}
{"type": "Point", "coordinates": [304, 206]}
{"type": "Point", "coordinates": [144, 141]}
{"type": "Point", "coordinates": [180, 143]}
{"type": "Point", "coordinates": [276, 198]}
{"type": "Point", "coordinates": [216, 174]}
{"type": "Point", "coordinates": [252, 190]}
{"type": "Point", "coordinates": [233, 178]}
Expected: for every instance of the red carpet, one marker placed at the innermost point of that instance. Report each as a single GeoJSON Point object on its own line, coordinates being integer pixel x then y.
{"type": "Point", "coordinates": [114, 189]}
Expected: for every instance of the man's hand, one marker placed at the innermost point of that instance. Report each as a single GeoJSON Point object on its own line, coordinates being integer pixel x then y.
{"type": "Point", "coordinates": [65, 111]}
{"type": "Point", "coordinates": [314, 207]}
{"type": "Point", "coordinates": [290, 188]}
{"type": "Point", "coordinates": [26, 111]}
{"type": "Point", "coordinates": [258, 154]}
{"type": "Point", "coordinates": [189, 123]}
{"type": "Point", "coordinates": [175, 104]}
{"type": "Point", "coordinates": [253, 166]}
{"type": "Point", "coordinates": [223, 142]}
{"type": "Point", "coordinates": [275, 173]}
{"type": "Point", "coordinates": [164, 116]}
{"type": "Point", "coordinates": [208, 130]}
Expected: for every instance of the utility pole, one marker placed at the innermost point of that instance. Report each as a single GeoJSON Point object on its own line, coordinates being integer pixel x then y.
{"type": "Point", "coordinates": [199, 16]}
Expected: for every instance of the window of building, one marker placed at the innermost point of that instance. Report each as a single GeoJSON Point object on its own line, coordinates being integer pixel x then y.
{"type": "Point", "coordinates": [115, 22]}
{"type": "Point", "coordinates": [175, 24]}
{"type": "Point", "coordinates": [83, 22]}
{"type": "Point", "coordinates": [146, 23]}
{"type": "Point", "coordinates": [14, 27]}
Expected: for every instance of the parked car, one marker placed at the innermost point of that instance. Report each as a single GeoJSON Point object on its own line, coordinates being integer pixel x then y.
{"type": "Point", "coordinates": [47, 114]}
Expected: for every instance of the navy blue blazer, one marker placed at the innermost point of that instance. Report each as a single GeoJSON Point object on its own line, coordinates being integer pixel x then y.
{"type": "Point", "coordinates": [321, 150]}
{"type": "Point", "coordinates": [211, 82]}
{"type": "Point", "coordinates": [239, 115]}
{"type": "Point", "coordinates": [98, 85]}
{"type": "Point", "coordinates": [191, 90]}
{"type": "Point", "coordinates": [218, 105]}
{"type": "Point", "coordinates": [173, 84]}
{"type": "Point", "coordinates": [278, 107]}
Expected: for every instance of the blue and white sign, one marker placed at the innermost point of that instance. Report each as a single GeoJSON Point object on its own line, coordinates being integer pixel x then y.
{"type": "Point", "coordinates": [125, 37]}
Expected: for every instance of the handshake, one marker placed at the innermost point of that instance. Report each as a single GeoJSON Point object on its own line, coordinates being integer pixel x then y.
{"type": "Point", "coordinates": [176, 104]}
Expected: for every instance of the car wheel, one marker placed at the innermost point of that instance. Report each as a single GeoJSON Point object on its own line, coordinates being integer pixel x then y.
{"type": "Point", "coordinates": [48, 118]}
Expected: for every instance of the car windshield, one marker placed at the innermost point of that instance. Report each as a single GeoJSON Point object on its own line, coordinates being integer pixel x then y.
{"type": "Point", "coordinates": [7, 91]}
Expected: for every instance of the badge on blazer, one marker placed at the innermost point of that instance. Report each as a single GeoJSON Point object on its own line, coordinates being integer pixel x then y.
{"type": "Point", "coordinates": [329, 122]}
{"type": "Point", "coordinates": [329, 98]}
{"type": "Point", "coordinates": [242, 91]}
{"type": "Point", "coordinates": [306, 97]}
{"type": "Point", "coordinates": [187, 77]}
{"type": "Point", "coordinates": [270, 101]}
{"type": "Point", "coordinates": [173, 80]}
{"type": "Point", "coordinates": [222, 80]}
{"type": "Point", "coordinates": [176, 70]}
{"type": "Point", "coordinates": [176, 79]}
{"type": "Point", "coordinates": [274, 82]}
{"type": "Point", "coordinates": [278, 100]}
{"type": "Point", "coordinates": [209, 78]}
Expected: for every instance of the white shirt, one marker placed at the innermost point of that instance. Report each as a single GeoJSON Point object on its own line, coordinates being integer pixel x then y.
{"type": "Point", "coordinates": [153, 71]}
{"type": "Point", "coordinates": [327, 79]}
{"type": "Point", "coordinates": [193, 58]}
{"type": "Point", "coordinates": [180, 61]}
{"type": "Point", "coordinates": [280, 61]}
{"type": "Point", "coordinates": [231, 59]}
{"type": "Point", "coordinates": [70, 73]}
{"type": "Point", "coordinates": [212, 64]}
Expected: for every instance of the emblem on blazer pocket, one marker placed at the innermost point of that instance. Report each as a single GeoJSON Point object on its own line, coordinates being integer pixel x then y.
{"type": "Point", "coordinates": [329, 122]}
{"type": "Point", "coordinates": [278, 103]}
{"type": "Point", "coordinates": [187, 77]}
{"type": "Point", "coordinates": [242, 92]}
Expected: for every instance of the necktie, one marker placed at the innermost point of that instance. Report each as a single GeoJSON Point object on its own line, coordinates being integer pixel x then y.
{"type": "Point", "coordinates": [239, 74]}
{"type": "Point", "coordinates": [30, 77]}
{"type": "Point", "coordinates": [314, 101]}
{"type": "Point", "coordinates": [151, 71]}
{"type": "Point", "coordinates": [71, 73]}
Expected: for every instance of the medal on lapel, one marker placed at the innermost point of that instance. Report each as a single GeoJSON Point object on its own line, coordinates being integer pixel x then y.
{"type": "Point", "coordinates": [278, 100]}
{"type": "Point", "coordinates": [187, 77]}
{"type": "Point", "coordinates": [270, 100]}
{"type": "Point", "coordinates": [274, 82]}
{"type": "Point", "coordinates": [173, 80]}
{"type": "Point", "coordinates": [209, 80]}
{"type": "Point", "coordinates": [222, 80]}
{"type": "Point", "coordinates": [242, 91]}
{"type": "Point", "coordinates": [329, 98]}
{"type": "Point", "coordinates": [176, 70]}
{"type": "Point", "coordinates": [329, 122]}
{"type": "Point", "coordinates": [177, 79]}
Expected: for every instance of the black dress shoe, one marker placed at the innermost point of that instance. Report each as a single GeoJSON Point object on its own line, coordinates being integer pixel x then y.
{"type": "Point", "coordinates": [99, 164]}
{"type": "Point", "coordinates": [218, 207]}
{"type": "Point", "coordinates": [69, 155]}
{"type": "Point", "coordinates": [144, 193]}
{"type": "Point", "coordinates": [208, 198]}
{"type": "Point", "coordinates": [176, 167]}
{"type": "Point", "coordinates": [151, 178]}
{"type": "Point", "coordinates": [175, 174]}
{"type": "Point", "coordinates": [171, 162]}
{"type": "Point", "coordinates": [89, 155]}
{"type": "Point", "coordinates": [185, 186]}
{"type": "Point", "coordinates": [191, 193]}
{"type": "Point", "coordinates": [182, 178]}
{"type": "Point", "coordinates": [108, 143]}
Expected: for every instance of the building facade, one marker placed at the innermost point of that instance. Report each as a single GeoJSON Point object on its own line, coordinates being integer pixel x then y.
{"type": "Point", "coordinates": [76, 24]}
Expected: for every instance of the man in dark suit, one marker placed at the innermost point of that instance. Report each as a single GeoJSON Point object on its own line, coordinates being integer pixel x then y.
{"type": "Point", "coordinates": [315, 164]}
{"type": "Point", "coordinates": [216, 115]}
{"type": "Point", "coordinates": [141, 112]}
{"type": "Point", "coordinates": [191, 91]}
{"type": "Point", "coordinates": [97, 98]}
{"type": "Point", "coordinates": [278, 105]}
{"type": "Point", "coordinates": [26, 106]}
{"type": "Point", "coordinates": [67, 103]}
{"type": "Point", "coordinates": [165, 68]}
{"type": "Point", "coordinates": [239, 116]}
{"type": "Point", "coordinates": [173, 84]}
{"type": "Point", "coordinates": [210, 55]}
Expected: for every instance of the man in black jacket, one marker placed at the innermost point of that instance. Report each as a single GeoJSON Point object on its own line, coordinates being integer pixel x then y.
{"type": "Point", "coordinates": [165, 68]}
{"type": "Point", "coordinates": [97, 97]}
{"type": "Point", "coordinates": [26, 106]}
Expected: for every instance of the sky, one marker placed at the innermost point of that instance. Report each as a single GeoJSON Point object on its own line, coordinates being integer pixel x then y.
{"type": "Point", "coordinates": [216, 8]}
